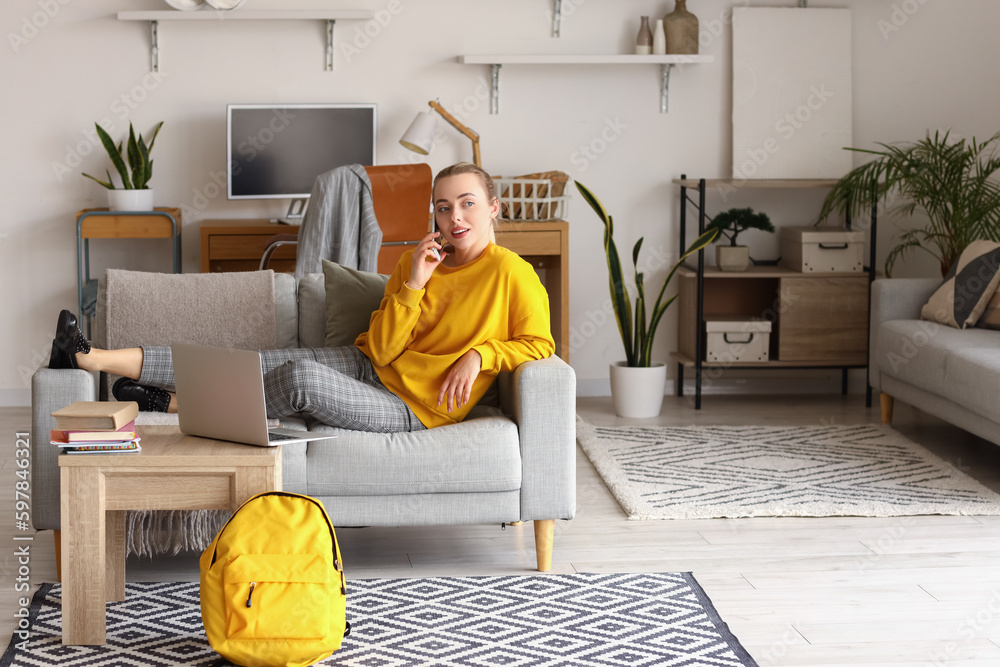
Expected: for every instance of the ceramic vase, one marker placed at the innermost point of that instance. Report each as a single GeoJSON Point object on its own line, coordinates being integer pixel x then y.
{"type": "Point", "coordinates": [637, 392]}
{"type": "Point", "coordinates": [659, 39]}
{"type": "Point", "coordinates": [644, 40]}
{"type": "Point", "coordinates": [681, 29]}
{"type": "Point", "coordinates": [130, 200]}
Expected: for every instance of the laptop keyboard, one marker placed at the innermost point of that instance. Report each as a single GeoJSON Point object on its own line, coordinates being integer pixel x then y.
{"type": "Point", "coordinates": [278, 437]}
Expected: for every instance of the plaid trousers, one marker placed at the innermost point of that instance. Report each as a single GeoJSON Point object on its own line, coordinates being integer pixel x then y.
{"type": "Point", "coordinates": [337, 386]}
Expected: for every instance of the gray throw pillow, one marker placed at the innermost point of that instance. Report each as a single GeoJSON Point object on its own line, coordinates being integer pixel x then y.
{"type": "Point", "coordinates": [351, 298]}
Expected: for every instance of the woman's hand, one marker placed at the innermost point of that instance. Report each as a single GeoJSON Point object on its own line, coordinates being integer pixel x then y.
{"type": "Point", "coordinates": [457, 386]}
{"type": "Point", "coordinates": [424, 261]}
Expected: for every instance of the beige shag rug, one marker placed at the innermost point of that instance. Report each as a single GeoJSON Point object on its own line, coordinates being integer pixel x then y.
{"type": "Point", "coordinates": [703, 472]}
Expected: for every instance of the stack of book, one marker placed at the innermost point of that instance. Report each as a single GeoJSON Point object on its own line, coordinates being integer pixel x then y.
{"type": "Point", "coordinates": [96, 427]}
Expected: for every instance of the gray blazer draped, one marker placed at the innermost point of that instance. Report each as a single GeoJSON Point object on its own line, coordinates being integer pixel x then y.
{"type": "Point", "coordinates": [340, 223]}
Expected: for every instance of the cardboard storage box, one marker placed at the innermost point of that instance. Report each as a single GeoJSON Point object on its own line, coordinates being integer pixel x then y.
{"type": "Point", "coordinates": [822, 249]}
{"type": "Point", "coordinates": [734, 341]}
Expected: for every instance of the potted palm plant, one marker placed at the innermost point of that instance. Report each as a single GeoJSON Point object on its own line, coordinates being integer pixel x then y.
{"type": "Point", "coordinates": [732, 256]}
{"type": "Point", "coordinates": [951, 182]}
{"type": "Point", "coordinates": [637, 384]}
{"type": "Point", "coordinates": [135, 193]}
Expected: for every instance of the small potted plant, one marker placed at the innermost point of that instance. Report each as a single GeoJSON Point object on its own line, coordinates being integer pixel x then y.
{"type": "Point", "coordinates": [135, 193]}
{"type": "Point", "coordinates": [637, 384]}
{"type": "Point", "coordinates": [735, 257]}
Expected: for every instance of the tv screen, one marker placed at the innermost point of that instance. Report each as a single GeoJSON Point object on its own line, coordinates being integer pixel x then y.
{"type": "Point", "coordinates": [277, 151]}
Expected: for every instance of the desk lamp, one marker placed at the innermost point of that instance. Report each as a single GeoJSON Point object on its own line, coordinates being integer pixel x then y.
{"type": "Point", "coordinates": [419, 137]}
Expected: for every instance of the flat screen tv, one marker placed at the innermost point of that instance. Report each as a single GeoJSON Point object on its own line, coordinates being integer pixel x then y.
{"type": "Point", "coordinates": [277, 151]}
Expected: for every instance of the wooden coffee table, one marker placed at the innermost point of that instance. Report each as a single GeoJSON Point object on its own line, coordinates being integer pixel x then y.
{"type": "Point", "coordinates": [172, 472]}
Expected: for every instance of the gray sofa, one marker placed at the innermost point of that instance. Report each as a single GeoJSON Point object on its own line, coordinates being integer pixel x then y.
{"type": "Point", "coordinates": [515, 461]}
{"type": "Point", "coordinates": [953, 374]}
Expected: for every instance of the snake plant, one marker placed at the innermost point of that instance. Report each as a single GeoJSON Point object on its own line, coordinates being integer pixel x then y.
{"type": "Point", "coordinates": [140, 167]}
{"type": "Point", "coordinates": [637, 334]}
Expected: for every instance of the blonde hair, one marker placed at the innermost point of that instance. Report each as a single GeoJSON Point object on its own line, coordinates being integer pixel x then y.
{"type": "Point", "coordinates": [485, 180]}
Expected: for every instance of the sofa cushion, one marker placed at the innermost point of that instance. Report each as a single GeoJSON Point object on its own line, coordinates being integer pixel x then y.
{"type": "Point", "coordinates": [351, 298]}
{"type": "Point", "coordinates": [960, 365]}
{"type": "Point", "coordinates": [480, 455]}
{"type": "Point", "coordinates": [967, 289]}
{"type": "Point", "coordinates": [972, 378]}
{"type": "Point", "coordinates": [312, 310]}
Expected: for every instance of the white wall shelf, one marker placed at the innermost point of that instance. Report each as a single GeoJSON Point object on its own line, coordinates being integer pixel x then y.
{"type": "Point", "coordinates": [330, 16]}
{"type": "Point", "coordinates": [666, 63]}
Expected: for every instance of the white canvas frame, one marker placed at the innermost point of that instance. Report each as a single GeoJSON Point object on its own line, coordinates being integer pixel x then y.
{"type": "Point", "coordinates": [791, 93]}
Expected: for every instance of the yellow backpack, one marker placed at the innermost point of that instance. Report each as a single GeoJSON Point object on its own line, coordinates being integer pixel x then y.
{"type": "Point", "coordinates": [273, 591]}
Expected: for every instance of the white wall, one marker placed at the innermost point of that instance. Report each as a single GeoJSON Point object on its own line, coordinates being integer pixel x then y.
{"type": "Point", "coordinates": [67, 63]}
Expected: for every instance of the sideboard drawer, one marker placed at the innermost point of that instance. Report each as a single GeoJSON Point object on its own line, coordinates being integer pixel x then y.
{"type": "Point", "coordinates": [245, 247]}
{"type": "Point", "coordinates": [531, 243]}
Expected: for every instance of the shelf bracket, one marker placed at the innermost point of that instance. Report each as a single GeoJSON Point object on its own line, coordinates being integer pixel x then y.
{"type": "Point", "coordinates": [329, 44]}
{"type": "Point", "coordinates": [557, 19]}
{"type": "Point", "coordinates": [154, 54]}
{"type": "Point", "coordinates": [665, 88]}
{"type": "Point", "coordinates": [495, 92]}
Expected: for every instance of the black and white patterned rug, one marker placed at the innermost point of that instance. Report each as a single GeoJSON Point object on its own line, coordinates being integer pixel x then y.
{"type": "Point", "coordinates": [705, 472]}
{"type": "Point", "coordinates": [509, 621]}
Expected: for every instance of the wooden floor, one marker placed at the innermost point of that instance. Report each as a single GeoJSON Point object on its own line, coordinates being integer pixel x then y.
{"type": "Point", "coordinates": [900, 592]}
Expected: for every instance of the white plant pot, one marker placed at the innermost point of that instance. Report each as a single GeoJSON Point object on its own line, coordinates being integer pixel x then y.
{"type": "Point", "coordinates": [732, 258]}
{"type": "Point", "coordinates": [638, 392]}
{"type": "Point", "coordinates": [130, 200]}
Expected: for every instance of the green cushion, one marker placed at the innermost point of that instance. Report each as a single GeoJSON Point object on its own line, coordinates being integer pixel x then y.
{"type": "Point", "coordinates": [351, 298]}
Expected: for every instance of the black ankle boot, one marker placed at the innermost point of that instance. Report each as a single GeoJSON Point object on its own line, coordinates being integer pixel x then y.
{"type": "Point", "coordinates": [150, 399]}
{"type": "Point", "coordinates": [68, 341]}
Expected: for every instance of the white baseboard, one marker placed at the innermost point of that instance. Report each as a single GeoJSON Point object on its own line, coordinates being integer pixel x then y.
{"type": "Point", "coordinates": [15, 398]}
{"type": "Point", "coordinates": [783, 385]}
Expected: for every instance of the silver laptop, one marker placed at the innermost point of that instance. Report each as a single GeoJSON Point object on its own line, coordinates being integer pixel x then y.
{"type": "Point", "coordinates": [220, 395]}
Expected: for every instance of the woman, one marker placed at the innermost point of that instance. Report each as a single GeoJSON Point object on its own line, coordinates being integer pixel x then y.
{"type": "Point", "coordinates": [449, 322]}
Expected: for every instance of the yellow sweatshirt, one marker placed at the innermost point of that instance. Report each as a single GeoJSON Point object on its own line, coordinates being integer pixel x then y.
{"type": "Point", "coordinates": [495, 304]}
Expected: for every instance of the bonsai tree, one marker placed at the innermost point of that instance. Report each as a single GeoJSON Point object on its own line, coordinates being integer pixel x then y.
{"type": "Point", "coordinates": [140, 166]}
{"type": "Point", "coordinates": [637, 335]}
{"type": "Point", "coordinates": [730, 223]}
{"type": "Point", "coordinates": [951, 182]}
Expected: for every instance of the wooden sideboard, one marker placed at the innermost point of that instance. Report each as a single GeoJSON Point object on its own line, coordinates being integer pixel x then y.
{"type": "Point", "coordinates": [237, 245]}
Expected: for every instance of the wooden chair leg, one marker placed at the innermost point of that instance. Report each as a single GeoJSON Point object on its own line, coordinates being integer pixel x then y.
{"type": "Point", "coordinates": [887, 403]}
{"type": "Point", "coordinates": [57, 534]}
{"type": "Point", "coordinates": [545, 531]}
